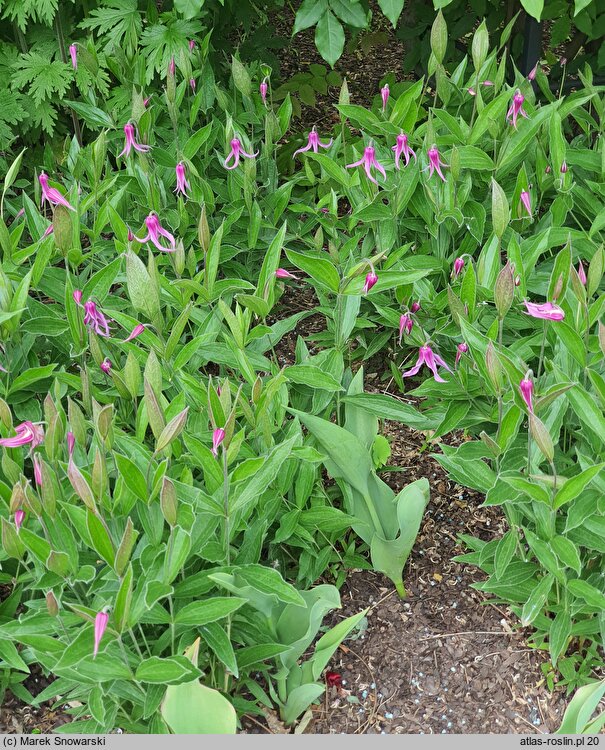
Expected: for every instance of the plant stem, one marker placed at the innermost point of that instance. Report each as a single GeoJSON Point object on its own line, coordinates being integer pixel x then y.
{"type": "Point", "coordinates": [541, 349]}
{"type": "Point", "coordinates": [61, 41]}
{"type": "Point", "coordinates": [227, 532]}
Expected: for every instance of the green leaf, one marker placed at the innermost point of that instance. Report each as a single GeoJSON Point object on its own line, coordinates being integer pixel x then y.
{"type": "Point", "coordinates": [591, 595]}
{"type": "Point", "coordinates": [576, 485]}
{"type": "Point", "coordinates": [388, 407]}
{"type": "Point", "coordinates": [200, 613]}
{"type": "Point", "coordinates": [92, 116]}
{"type": "Point", "coordinates": [312, 376]}
{"type": "Point", "coordinates": [533, 7]}
{"type": "Point", "coordinates": [392, 9]}
{"type": "Point", "coordinates": [350, 12]}
{"type": "Point", "coordinates": [329, 38]}
{"type": "Point", "coordinates": [472, 157]}
{"type": "Point", "coordinates": [567, 552]}
{"type": "Point", "coordinates": [193, 708]}
{"type": "Point", "coordinates": [219, 642]}
{"type": "Point", "coordinates": [332, 169]}
{"type": "Point", "coordinates": [319, 269]}
{"type": "Point", "coordinates": [31, 376]}
{"type": "Point", "coordinates": [100, 538]}
{"type": "Point", "coordinates": [309, 14]}
{"type": "Point", "coordinates": [170, 671]}
{"type": "Point", "coordinates": [536, 601]}
{"type": "Point", "coordinates": [559, 634]}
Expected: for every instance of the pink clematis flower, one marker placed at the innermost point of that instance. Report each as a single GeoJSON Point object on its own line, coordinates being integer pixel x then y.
{"type": "Point", "coordinates": [313, 143]}
{"type": "Point", "coordinates": [154, 231]}
{"type": "Point", "coordinates": [52, 195]}
{"type": "Point", "coordinates": [217, 438]}
{"type": "Point", "coordinates": [181, 181]}
{"type": "Point", "coordinates": [401, 147]}
{"type": "Point", "coordinates": [526, 387]}
{"type": "Point", "coordinates": [236, 152]}
{"type": "Point", "coordinates": [131, 142]}
{"type": "Point", "coordinates": [458, 266]}
{"type": "Point", "coordinates": [71, 442]}
{"type": "Point", "coordinates": [532, 73]}
{"type": "Point", "coordinates": [526, 201]}
{"type": "Point", "coordinates": [426, 356]}
{"type": "Point", "coordinates": [414, 307]}
{"type": "Point", "coordinates": [101, 620]}
{"type": "Point", "coordinates": [405, 325]}
{"type": "Point", "coordinates": [384, 94]}
{"type": "Point", "coordinates": [93, 317]}
{"type": "Point", "coordinates": [73, 53]}
{"type": "Point", "coordinates": [106, 365]}
{"type": "Point", "coordinates": [545, 311]}
{"type": "Point", "coordinates": [371, 279]}
{"type": "Point", "coordinates": [582, 273]}
{"type": "Point", "coordinates": [37, 470]}
{"type": "Point", "coordinates": [435, 162]}
{"type": "Point", "coordinates": [367, 161]}
{"type": "Point", "coordinates": [263, 88]}
{"type": "Point", "coordinates": [19, 518]}
{"type": "Point", "coordinates": [136, 331]}
{"type": "Point", "coordinates": [281, 273]}
{"type": "Point", "coordinates": [516, 108]}
{"type": "Point", "coordinates": [27, 433]}
{"type": "Point", "coordinates": [460, 350]}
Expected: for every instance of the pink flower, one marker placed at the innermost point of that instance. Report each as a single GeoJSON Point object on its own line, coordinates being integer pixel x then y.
{"type": "Point", "coordinates": [532, 73]}
{"type": "Point", "coordinates": [146, 101]}
{"type": "Point", "coordinates": [49, 230]}
{"type": "Point", "coordinates": [414, 307]}
{"type": "Point", "coordinates": [471, 91]}
{"type": "Point", "coordinates": [136, 331]}
{"type": "Point", "coordinates": [27, 432]}
{"type": "Point", "coordinates": [77, 295]}
{"type": "Point", "coordinates": [191, 45]}
{"type": "Point", "coordinates": [171, 67]}
{"type": "Point", "coordinates": [19, 518]}
{"type": "Point", "coordinates": [181, 181]}
{"type": "Point", "coordinates": [106, 365]}
{"type": "Point", "coordinates": [526, 387]}
{"type": "Point", "coordinates": [154, 231]}
{"type": "Point", "coordinates": [401, 147]}
{"type": "Point", "coordinates": [460, 350]}
{"type": "Point", "coordinates": [487, 83]}
{"type": "Point", "coordinates": [217, 438]}
{"type": "Point", "coordinates": [73, 53]}
{"type": "Point", "coordinates": [71, 442]}
{"type": "Point", "coordinates": [581, 273]}
{"type": "Point", "coordinates": [435, 162]}
{"type": "Point", "coordinates": [371, 279]}
{"type": "Point", "coordinates": [405, 325]}
{"type": "Point", "coordinates": [545, 311]}
{"type": "Point", "coordinates": [236, 152]}
{"type": "Point", "coordinates": [281, 273]}
{"type": "Point", "coordinates": [101, 620]}
{"type": "Point", "coordinates": [313, 142]}
{"type": "Point", "coordinates": [526, 201]}
{"type": "Point", "coordinates": [37, 470]}
{"type": "Point", "coordinates": [52, 195]}
{"type": "Point", "coordinates": [426, 356]}
{"type": "Point", "coordinates": [94, 318]}
{"type": "Point", "coordinates": [367, 161]}
{"type": "Point", "coordinates": [458, 266]}
{"type": "Point", "coordinates": [564, 168]}
{"type": "Point", "coordinates": [131, 143]}
{"type": "Point", "coordinates": [516, 108]}
{"type": "Point", "coordinates": [263, 88]}
{"type": "Point", "coordinates": [384, 94]}
{"type": "Point", "coordinates": [192, 84]}
{"type": "Point", "coordinates": [548, 170]}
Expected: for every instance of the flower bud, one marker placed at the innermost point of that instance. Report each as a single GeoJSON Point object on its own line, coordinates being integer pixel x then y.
{"type": "Point", "coordinates": [168, 502]}
{"type": "Point", "coordinates": [494, 368]}
{"type": "Point", "coordinates": [504, 290]}
{"type": "Point", "coordinates": [52, 605]}
{"type": "Point", "coordinates": [558, 288]}
{"type": "Point", "coordinates": [542, 437]}
{"type": "Point", "coordinates": [203, 230]}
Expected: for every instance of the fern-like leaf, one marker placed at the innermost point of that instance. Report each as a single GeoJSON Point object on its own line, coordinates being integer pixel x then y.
{"type": "Point", "coordinates": [164, 40]}
{"type": "Point", "coordinates": [45, 79]}
{"type": "Point", "coordinates": [119, 21]}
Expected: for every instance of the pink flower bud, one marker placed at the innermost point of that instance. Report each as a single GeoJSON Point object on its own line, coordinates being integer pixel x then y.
{"type": "Point", "coordinates": [192, 84]}
{"type": "Point", "coordinates": [19, 518]}
{"type": "Point", "coordinates": [526, 387]}
{"type": "Point", "coordinates": [564, 168]}
{"type": "Point", "coordinates": [371, 279]}
{"type": "Point", "coordinates": [171, 66]}
{"type": "Point", "coordinates": [106, 365]}
{"type": "Point", "coordinates": [77, 295]}
{"type": "Point", "coordinates": [191, 45]}
{"type": "Point", "coordinates": [458, 266]}
{"type": "Point", "coordinates": [581, 273]}
{"type": "Point", "coordinates": [217, 438]}
{"type": "Point", "coordinates": [281, 273]}
{"type": "Point", "coordinates": [71, 442]}
{"type": "Point", "coordinates": [101, 620]}
{"type": "Point", "coordinates": [414, 307]}
{"type": "Point", "coordinates": [460, 350]}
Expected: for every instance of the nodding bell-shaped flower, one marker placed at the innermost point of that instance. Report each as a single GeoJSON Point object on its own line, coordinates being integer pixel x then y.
{"type": "Point", "coordinates": [526, 201]}
{"type": "Point", "coordinates": [136, 331]}
{"type": "Point", "coordinates": [414, 307]}
{"type": "Point", "coordinates": [426, 356]}
{"type": "Point", "coordinates": [217, 438]}
{"type": "Point", "coordinates": [37, 470]}
{"type": "Point", "coordinates": [93, 317]}
{"type": "Point", "coordinates": [281, 273]}
{"type": "Point", "coordinates": [367, 161]}
{"type": "Point", "coordinates": [516, 108]}
{"type": "Point", "coordinates": [370, 280]}
{"type": "Point", "coordinates": [236, 153]}
{"type": "Point", "coordinates": [28, 433]}
{"type": "Point", "coordinates": [52, 195]}
{"type": "Point", "coordinates": [154, 231]}
{"type": "Point", "coordinates": [263, 88]}
{"type": "Point", "coordinates": [181, 181]}
{"type": "Point", "coordinates": [460, 350]}
{"type": "Point", "coordinates": [101, 620]}
{"type": "Point", "coordinates": [532, 73]}
{"type": "Point", "coordinates": [106, 365]}
{"type": "Point", "coordinates": [19, 518]}
{"type": "Point", "coordinates": [458, 266]}
{"type": "Point", "coordinates": [313, 143]}
{"type": "Point", "coordinates": [384, 95]}
{"type": "Point", "coordinates": [401, 147]}
{"type": "Point", "coordinates": [435, 162]}
{"type": "Point", "coordinates": [526, 387]}
{"type": "Point", "coordinates": [73, 53]}
{"type": "Point", "coordinates": [582, 273]}
{"type": "Point", "coordinates": [545, 311]}
{"type": "Point", "coordinates": [131, 142]}
{"type": "Point", "coordinates": [405, 325]}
